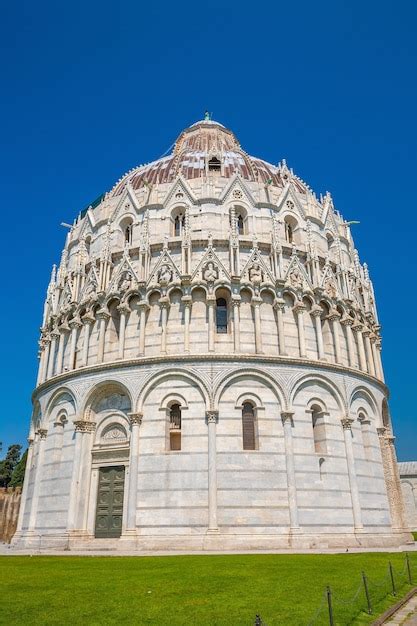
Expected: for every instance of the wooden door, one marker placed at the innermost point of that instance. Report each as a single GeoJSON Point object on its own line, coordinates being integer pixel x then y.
{"type": "Point", "coordinates": [109, 515]}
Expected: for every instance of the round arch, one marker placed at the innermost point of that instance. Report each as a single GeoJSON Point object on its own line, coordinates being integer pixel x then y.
{"type": "Point", "coordinates": [367, 394]}
{"type": "Point", "coordinates": [244, 373]}
{"type": "Point", "coordinates": [99, 391]}
{"type": "Point", "coordinates": [55, 397]}
{"type": "Point", "coordinates": [154, 380]}
{"type": "Point", "coordinates": [319, 378]}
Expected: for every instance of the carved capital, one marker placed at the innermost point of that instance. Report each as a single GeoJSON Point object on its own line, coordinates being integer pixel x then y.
{"type": "Point", "coordinates": [84, 426]}
{"type": "Point", "coordinates": [357, 327]}
{"type": "Point", "coordinates": [102, 314]}
{"type": "Point", "coordinates": [42, 432]}
{"type": "Point", "coordinates": [279, 304]}
{"type": "Point", "coordinates": [347, 321]}
{"type": "Point", "coordinates": [316, 310]}
{"type": "Point", "coordinates": [123, 308]}
{"type": "Point", "coordinates": [212, 417]}
{"type": "Point", "coordinates": [346, 423]}
{"type": "Point", "coordinates": [164, 302]}
{"type": "Point", "coordinates": [75, 323]}
{"type": "Point", "coordinates": [287, 416]}
{"type": "Point", "coordinates": [256, 301]}
{"type": "Point", "coordinates": [55, 333]}
{"type": "Point", "coordinates": [236, 300]}
{"type": "Point", "coordinates": [366, 332]}
{"type": "Point", "coordinates": [88, 319]}
{"type": "Point", "coordinates": [334, 315]}
{"type": "Point", "coordinates": [135, 418]}
{"type": "Point", "coordinates": [186, 300]}
{"type": "Point", "coordinates": [299, 307]}
{"type": "Point", "coordinates": [381, 431]}
{"type": "Point", "coordinates": [64, 328]}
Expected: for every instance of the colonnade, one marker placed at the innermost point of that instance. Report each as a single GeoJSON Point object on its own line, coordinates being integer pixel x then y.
{"type": "Point", "coordinates": [362, 345]}
{"type": "Point", "coordinates": [80, 518]}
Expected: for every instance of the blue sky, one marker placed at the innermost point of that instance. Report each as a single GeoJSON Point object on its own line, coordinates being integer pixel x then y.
{"type": "Point", "coordinates": [91, 89]}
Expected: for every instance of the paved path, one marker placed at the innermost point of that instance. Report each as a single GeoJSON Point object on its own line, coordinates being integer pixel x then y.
{"type": "Point", "coordinates": [407, 616]}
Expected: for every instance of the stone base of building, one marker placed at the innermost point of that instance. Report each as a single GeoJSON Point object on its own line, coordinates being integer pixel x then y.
{"type": "Point", "coordinates": [212, 542]}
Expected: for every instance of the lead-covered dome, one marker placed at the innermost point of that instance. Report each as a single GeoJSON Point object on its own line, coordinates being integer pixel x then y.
{"type": "Point", "coordinates": [204, 147]}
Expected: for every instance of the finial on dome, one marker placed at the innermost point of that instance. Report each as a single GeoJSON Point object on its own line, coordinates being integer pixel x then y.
{"type": "Point", "coordinates": [208, 116]}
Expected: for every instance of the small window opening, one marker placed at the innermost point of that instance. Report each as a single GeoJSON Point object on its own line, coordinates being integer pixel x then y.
{"type": "Point", "coordinates": [319, 430]}
{"type": "Point", "coordinates": [289, 233]}
{"type": "Point", "coordinates": [240, 225]}
{"type": "Point", "coordinates": [128, 234]}
{"type": "Point", "coordinates": [175, 427]}
{"type": "Point", "coordinates": [214, 165]}
{"type": "Point", "coordinates": [221, 315]}
{"type": "Point", "coordinates": [248, 426]}
{"type": "Point", "coordinates": [179, 224]}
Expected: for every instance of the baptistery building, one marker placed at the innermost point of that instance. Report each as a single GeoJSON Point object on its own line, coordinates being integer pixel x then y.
{"type": "Point", "coordinates": [210, 370]}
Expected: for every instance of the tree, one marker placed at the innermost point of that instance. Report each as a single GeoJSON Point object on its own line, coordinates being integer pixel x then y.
{"type": "Point", "coordinates": [9, 463]}
{"type": "Point", "coordinates": [19, 472]}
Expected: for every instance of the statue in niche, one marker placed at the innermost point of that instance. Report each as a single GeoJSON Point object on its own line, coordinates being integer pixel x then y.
{"type": "Point", "coordinates": [165, 275]}
{"type": "Point", "coordinates": [330, 288]}
{"type": "Point", "coordinates": [255, 274]}
{"type": "Point", "coordinates": [125, 282]}
{"type": "Point", "coordinates": [91, 288]}
{"type": "Point", "coordinates": [296, 279]}
{"type": "Point", "coordinates": [210, 273]}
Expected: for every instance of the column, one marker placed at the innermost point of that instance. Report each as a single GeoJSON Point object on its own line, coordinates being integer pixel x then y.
{"type": "Point", "coordinates": [88, 321]}
{"type": "Point", "coordinates": [64, 328]}
{"type": "Point", "coordinates": [378, 349]}
{"type": "Point", "coordinates": [25, 487]}
{"type": "Point", "coordinates": [81, 427]}
{"type": "Point", "coordinates": [47, 344]}
{"type": "Point", "coordinates": [256, 304]}
{"type": "Point", "coordinates": [164, 304]}
{"type": "Point", "coordinates": [375, 358]}
{"type": "Point", "coordinates": [83, 491]}
{"type": "Point", "coordinates": [187, 300]}
{"type": "Point", "coordinates": [354, 491]}
{"type": "Point", "coordinates": [143, 307]}
{"type": "Point", "coordinates": [287, 421]}
{"type": "Point", "coordinates": [74, 324]}
{"type": "Point", "coordinates": [347, 323]}
{"type": "Point", "coordinates": [40, 438]}
{"type": "Point", "coordinates": [103, 316]}
{"type": "Point", "coordinates": [212, 417]}
{"type": "Point", "coordinates": [211, 303]}
{"type": "Point", "coordinates": [132, 495]}
{"type": "Point", "coordinates": [299, 309]}
{"type": "Point", "coordinates": [124, 311]}
{"type": "Point", "coordinates": [334, 317]}
{"type": "Point", "coordinates": [317, 312]}
{"type": "Point", "coordinates": [368, 351]}
{"type": "Point", "coordinates": [279, 306]}
{"type": "Point", "coordinates": [392, 481]}
{"type": "Point", "coordinates": [54, 337]}
{"type": "Point", "coordinates": [357, 328]}
{"type": "Point", "coordinates": [236, 322]}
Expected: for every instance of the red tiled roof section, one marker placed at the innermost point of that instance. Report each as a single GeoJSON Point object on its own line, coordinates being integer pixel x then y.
{"type": "Point", "coordinates": [201, 141]}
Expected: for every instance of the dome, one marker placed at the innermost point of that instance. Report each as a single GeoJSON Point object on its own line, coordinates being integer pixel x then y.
{"type": "Point", "coordinates": [210, 372]}
{"type": "Point", "coordinates": [203, 145]}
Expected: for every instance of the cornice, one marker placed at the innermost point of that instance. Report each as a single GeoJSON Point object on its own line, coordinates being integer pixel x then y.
{"type": "Point", "coordinates": [208, 357]}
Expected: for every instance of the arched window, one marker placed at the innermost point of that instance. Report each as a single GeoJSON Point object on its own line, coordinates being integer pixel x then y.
{"type": "Point", "coordinates": [366, 434]}
{"type": "Point", "coordinates": [214, 165]}
{"type": "Point", "coordinates": [221, 315]}
{"type": "Point", "coordinates": [319, 429]}
{"type": "Point", "coordinates": [240, 224]}
{"type": "Point", "coordinates": [248, 426]}
{"type": "Point", "coordinates": [128, 234]}
{"type": "Point", "coordinates": [175, 427]}
{"type": "Point", "coordinates": [179, 223]}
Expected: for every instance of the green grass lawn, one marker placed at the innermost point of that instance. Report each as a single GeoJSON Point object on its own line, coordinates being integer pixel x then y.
{"type": "Point", "coordinates": [215, 590]}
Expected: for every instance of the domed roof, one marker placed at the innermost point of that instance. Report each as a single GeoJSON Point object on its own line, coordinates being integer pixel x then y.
{"type": "Point", "coordinates": [203, 142]}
